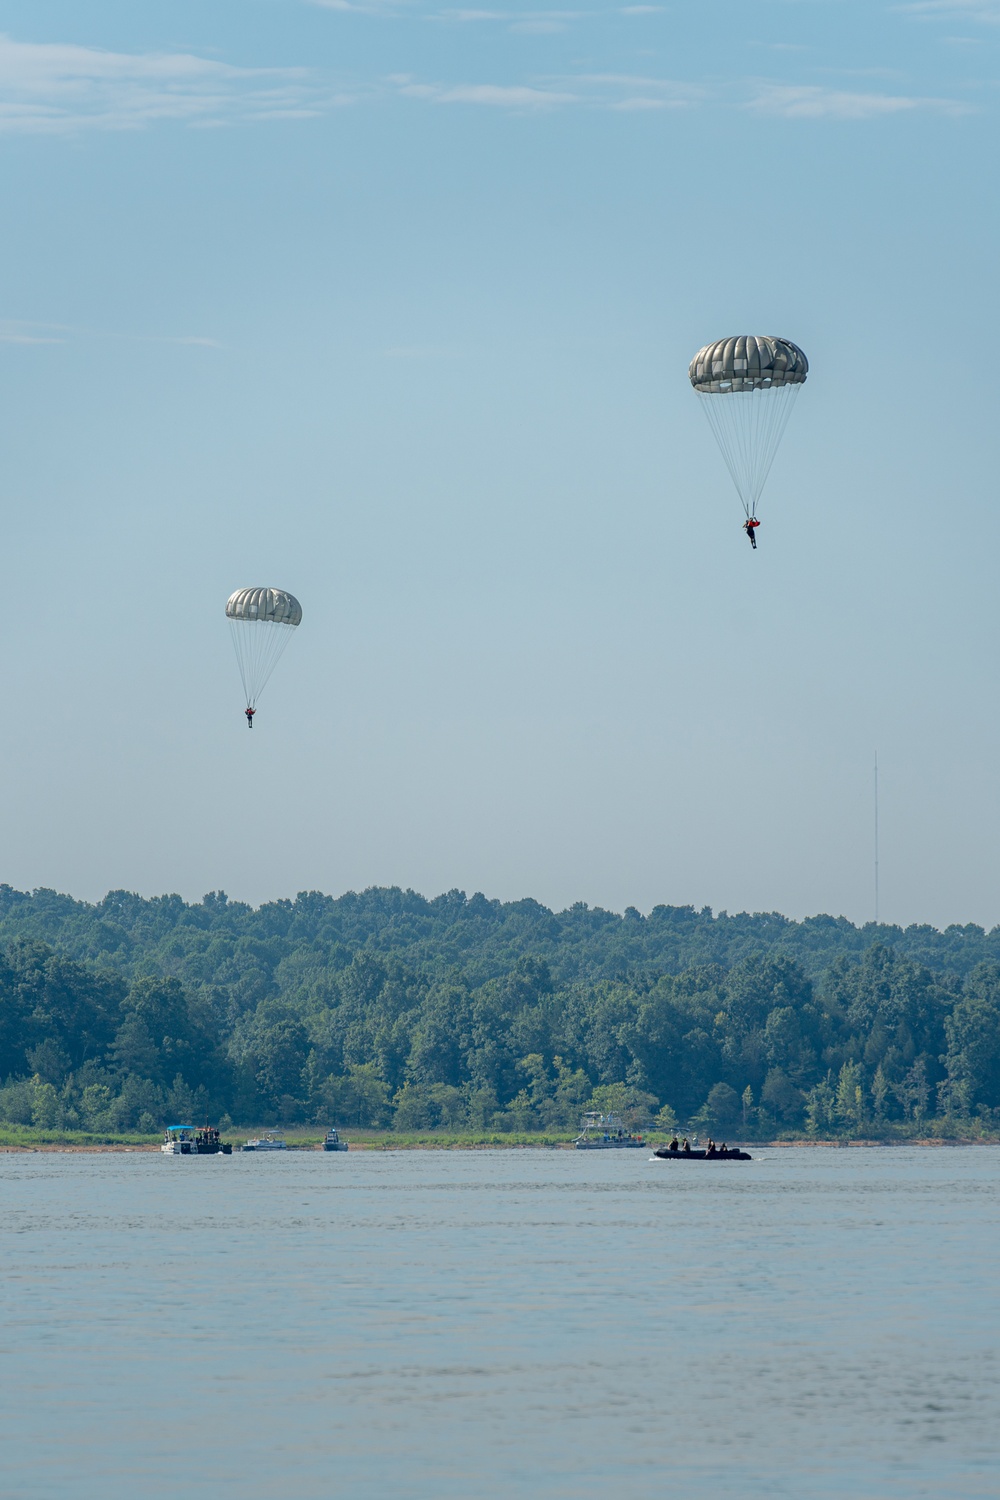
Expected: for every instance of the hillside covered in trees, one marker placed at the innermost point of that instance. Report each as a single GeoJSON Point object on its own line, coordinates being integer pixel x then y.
{"type": "Point", "coordinates": [387, 1009]}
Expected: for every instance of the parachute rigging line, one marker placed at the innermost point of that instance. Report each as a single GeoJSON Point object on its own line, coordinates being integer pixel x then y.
{"type": "Point", "coordinates": [259, 646]}
{"type": "Point", "coordinates": [747, 385]}
{"type": "Point", "coordinates": [262, 622]}
{"type": "Point", "coordinates": [748, 427]}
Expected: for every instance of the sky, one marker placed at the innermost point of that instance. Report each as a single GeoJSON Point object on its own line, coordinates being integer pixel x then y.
{"type": "Point", "coordinates": [390, 304]}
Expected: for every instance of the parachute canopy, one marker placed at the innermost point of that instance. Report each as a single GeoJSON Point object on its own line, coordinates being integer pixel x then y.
{"type": "Point", "coordinates": [273, 606]}
{"type": "Point", "coordinates": [749, 384]}
{"type": "Point", "coordinates": [261, 622]}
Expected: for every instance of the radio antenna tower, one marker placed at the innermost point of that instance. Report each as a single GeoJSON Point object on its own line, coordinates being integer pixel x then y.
{"type": "Point", "coordinates": [876, 836]}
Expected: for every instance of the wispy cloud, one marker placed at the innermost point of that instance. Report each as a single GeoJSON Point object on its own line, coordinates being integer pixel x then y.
{"type": "Point", "coordinates": [365, 7]}
{"type": "Point", "coordinates": [15, 335]}
{"type": "Point", "coordinates": [950, 10]}
{"type": "Point", "coordinates": [636, 92]}
{"type": "Point", "coordinates": [628, 91]}
{"type": "Point", "coordinates": [496, 95]}
{"type": "Point", "coordinates": [616, 91]}
{"type": "Point", "coordinates": [58, 88]}
{"type": "Point", "coordinates": [50, 88]}
{"type": "Point", "coordinates": [814, 103]}
{"type": "Point", "coordinates": [529, 22]}
{"type": "Point", "coordinates": [23, 331]}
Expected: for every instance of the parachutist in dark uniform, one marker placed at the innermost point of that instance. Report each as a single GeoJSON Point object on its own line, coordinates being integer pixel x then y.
{"type": "Point", "coordinates": [249, 713]}
{"type": "Point", "coordinates": [749, 526]}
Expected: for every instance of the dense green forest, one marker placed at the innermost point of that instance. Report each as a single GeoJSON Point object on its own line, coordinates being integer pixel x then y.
{"type": "Point", "coordinates": [387, 1009]}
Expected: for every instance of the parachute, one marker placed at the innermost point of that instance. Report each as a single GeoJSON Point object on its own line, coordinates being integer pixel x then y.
{"type": "Point", "coordinates": [261, 622]}
{"type": "Point", "coordinates": [748, 385]}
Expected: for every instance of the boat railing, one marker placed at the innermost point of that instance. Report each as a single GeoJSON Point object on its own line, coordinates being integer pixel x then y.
{"type": "Point", "coordinates": [607, 1125]}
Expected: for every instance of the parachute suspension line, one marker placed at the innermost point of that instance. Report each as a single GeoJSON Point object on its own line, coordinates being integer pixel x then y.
{"type": "Point", "coordinates": [709, 405]}
{"type": "Point", "coordinates": [259, 645]}
{"type": "Point", "coordinates": [772, 430]}
{"type": "Point", "coordinates": [261, 623]}
{"type": "Point", "coordinates": [241, 659]}
{"type": "Point", "coordinates": [748, 427]}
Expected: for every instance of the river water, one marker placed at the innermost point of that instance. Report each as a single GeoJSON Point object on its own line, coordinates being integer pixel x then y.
{"type": "Point", "coordinates": [426, 1325]}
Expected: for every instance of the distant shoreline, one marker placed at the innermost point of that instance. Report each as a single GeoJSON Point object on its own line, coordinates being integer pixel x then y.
{"type": "Point", "coordinates": [428, 1143]}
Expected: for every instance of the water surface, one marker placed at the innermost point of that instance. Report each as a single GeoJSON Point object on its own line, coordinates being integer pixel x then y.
{"type": "Point", "coordinates": [478, 1325]}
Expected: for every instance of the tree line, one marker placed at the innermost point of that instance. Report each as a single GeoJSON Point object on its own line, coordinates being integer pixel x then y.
{"type": "Point", "coordinates": [384, 1009]}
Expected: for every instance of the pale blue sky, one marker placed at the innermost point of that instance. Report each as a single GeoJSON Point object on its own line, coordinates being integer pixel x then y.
{"type": "Point", "coordinates": [391, 305]}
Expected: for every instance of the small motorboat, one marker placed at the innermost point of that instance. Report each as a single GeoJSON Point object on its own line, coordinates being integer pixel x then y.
{"type": "Point", "coordinates": [332, 1141]}
{"type": "Point", "coordinates": [209, 1142]}
{"type": "Point", "coordinates": [732, 1153]}
{"type": "Point", "coordinates": [266, 1142]}
{"type": "Point", "coordinates": [605, 1133]}
{"type": "Point", "coordinates": [179, 1140]}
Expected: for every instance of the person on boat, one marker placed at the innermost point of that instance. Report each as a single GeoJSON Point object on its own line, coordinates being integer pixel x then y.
{"type": "Point", "coordinates": [749, 526]}
{"type": "Point", "coordinates": [249, 713]}
{"type": "Point", "coordinates": [673, 1145]}
{"type": "Point", "coordinates": [710, 1148]}
{"type": "Point", "coordinates": [686, 1146]}
{"type": "Point", "coordinates": [723, 1149]}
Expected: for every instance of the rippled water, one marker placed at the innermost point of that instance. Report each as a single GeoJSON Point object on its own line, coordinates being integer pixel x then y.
{"type": "Point", "coordinates": [492, 1324]}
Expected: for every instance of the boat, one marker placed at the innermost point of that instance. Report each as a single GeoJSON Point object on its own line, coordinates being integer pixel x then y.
{"type": "Point", "coordinates": [601, 1132]}
{"type": "Point", "coordinates": [332, 1141]}
{"type": "Point", "coordinates": [179, 1140]}
{"type": "Point", "coordinates": [266, 1142]}
{"type": "Point", "coordinates": [209, 1142]}
{"type": "Point", "coordinates": [732, 1153]}
{"type": "Point", "coordinates": [184, 1140]}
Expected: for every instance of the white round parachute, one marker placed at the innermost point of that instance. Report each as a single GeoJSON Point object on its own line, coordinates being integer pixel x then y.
{"type": "Point", "coordinates": [261, 622]}
{"type": "Point", "coordinates": [748, 386]}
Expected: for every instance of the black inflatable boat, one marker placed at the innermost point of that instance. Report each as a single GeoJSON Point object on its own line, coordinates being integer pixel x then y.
{"type": "Point", "coordinates": [731, 1155]}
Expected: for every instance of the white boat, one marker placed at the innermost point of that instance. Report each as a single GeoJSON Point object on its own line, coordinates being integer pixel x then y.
{"type": "Point", "coordinates": [266, 1142]}
{"type": "Point", "coordinates": [606, 1133]}
{"type": "Point", "coordinates": [332, 1141]}
{"type": "Point", "coordinates": [179, 1140]}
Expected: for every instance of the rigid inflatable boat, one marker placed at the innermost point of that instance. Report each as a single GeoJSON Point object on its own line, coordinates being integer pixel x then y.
{"type": "Point", "coordinates": [733, 1154]}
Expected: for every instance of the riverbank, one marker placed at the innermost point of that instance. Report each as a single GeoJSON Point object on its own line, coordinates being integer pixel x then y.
{"type": "Point", "coordinates": [26, 1138]}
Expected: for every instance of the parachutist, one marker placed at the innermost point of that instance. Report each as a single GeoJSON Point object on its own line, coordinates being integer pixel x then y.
{"type": "Point", "coordinates": [749, 526]}
{"type": "Point", "coordinates": [249, 713]}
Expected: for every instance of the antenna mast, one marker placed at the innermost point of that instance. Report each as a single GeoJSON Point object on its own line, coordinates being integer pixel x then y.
{"type": "Point", "coordinates": [876, 836]}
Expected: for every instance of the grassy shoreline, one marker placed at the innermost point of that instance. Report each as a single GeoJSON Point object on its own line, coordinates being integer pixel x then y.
{"type": "Point", "coordinates": [28, 1138]}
